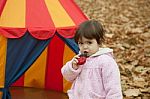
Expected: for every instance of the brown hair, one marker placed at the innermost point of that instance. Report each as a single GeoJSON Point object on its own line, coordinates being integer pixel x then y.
{"type": "Point", "coordinates": [90, 29]}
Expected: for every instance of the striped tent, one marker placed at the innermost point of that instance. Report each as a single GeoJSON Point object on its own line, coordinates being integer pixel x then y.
{"type": "Point", "coordinates": [36, 40]}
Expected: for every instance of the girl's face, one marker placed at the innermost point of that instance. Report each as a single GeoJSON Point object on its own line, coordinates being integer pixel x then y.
{"type": "Point", "coordinates": [88, 45]}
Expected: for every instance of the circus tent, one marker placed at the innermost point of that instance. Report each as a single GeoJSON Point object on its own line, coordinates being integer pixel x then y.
{"type": "Point", "coordinates": [36, 40]}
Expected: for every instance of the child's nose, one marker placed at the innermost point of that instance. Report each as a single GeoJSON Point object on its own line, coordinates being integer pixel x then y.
{"type": "Point", "coordinates": [85, 46]}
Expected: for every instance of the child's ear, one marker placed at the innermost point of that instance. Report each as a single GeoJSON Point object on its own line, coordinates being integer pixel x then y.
{"type": "Point", "coordinates": [100, 45]}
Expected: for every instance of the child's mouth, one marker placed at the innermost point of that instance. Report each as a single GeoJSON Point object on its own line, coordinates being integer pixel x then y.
{"type": "Point", "coordinates": [85, 53]}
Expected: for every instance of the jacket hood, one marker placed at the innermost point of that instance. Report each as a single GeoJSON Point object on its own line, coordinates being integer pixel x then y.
{"type": "Point", "coordinates": [103, 51]}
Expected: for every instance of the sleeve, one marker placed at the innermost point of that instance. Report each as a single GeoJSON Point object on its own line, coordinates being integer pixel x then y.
{"type": "Point", "coordinates": [111, 79]}
{"type": "Point", "coordinates": [69, 73]}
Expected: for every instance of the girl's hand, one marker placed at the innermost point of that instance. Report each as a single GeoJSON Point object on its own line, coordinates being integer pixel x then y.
{"type": "Point", "coordinates": [74, 62]}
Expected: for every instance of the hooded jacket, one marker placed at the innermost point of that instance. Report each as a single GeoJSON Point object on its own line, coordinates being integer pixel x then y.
{"type": "Point", "coordinates": [98, 78]}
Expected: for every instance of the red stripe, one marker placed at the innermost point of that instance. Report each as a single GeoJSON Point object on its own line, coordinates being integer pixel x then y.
{"type": "Point", "coordinates": [74, 11]}
{"type": "Point", "coordinates": [37, 14]}
{"type": "Point", "coordinates": [54, 79]}
{"type": "Point", "coordinates": [19, 82]}
{"type": "Point", "coordinates": [38, 19]}
{"type": "Point", "coordinates": [2, 4]}
{"type": "Point", "coordinates": [12, 32]}
{"type": "Point", "coordinates": [67, 32]}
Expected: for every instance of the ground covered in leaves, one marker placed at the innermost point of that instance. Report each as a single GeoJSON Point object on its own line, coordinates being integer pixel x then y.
{"type": "Point", "coordinates": [127, 23]}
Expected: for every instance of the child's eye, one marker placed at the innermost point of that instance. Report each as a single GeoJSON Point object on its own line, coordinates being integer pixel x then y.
{"type": "Point", "coordinates": [89, 42]}
{"type": "Point", "coordinates": [80, 43]}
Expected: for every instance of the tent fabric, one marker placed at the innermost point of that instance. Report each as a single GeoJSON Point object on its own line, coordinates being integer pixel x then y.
{"type": "Point", "coordinates": [56, 55]}
{"type": "Point", "coordinates": [18, 63]}
{"type": "Point", "coordinates": [42, 18]}
{"type": "Point", "coordinates": [2, 4]}
{"type": "Point", "coordinates": [3, 49]}
{"type": "Point", "coordinates": [37, 40]}
{"type": "Point", "coordinates": [49, 63]}
{"type": "Point", "coordinates": [71, 43]}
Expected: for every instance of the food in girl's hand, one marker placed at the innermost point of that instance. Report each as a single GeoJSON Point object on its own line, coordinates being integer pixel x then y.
{"type": "Point", "coordinates": [82, 59]}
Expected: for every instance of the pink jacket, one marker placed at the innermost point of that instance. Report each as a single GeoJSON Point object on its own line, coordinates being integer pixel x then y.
{"type": "Point", "coordinates": [98, 78]}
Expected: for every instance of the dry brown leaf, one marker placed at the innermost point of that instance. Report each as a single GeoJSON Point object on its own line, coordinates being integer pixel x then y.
{"type": "Point", "coordinates": [132, 92]}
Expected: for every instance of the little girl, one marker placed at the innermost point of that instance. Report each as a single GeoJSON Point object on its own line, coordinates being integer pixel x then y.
{"type": "Point", "coordinates": [99, 76]}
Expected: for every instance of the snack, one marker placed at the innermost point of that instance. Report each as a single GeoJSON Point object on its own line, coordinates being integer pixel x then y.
{"type": "Point", "coordinates": [82, 59]}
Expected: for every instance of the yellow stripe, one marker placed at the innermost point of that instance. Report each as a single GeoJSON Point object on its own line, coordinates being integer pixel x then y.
{"type": "Point", "coordinates": [3, 50]}
{"type": "Point", "coordinates": [35, 76]}
{"type": "Point", "coordinates": [59, 16]}
{"type": "Point", "coordinates": [13, 14]}
{"type": "Point", "coordinates": [68, 55]}
{"type": "Point", "coordinates": [1, 95]}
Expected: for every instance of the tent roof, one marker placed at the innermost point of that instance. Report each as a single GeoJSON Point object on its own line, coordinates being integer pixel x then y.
{"type": "Point", "coordinates": [42, 18]}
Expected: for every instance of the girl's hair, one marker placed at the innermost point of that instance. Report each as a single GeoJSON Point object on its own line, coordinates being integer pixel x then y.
{"type": "Point", "coordinates": [90, 29]}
